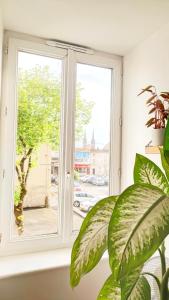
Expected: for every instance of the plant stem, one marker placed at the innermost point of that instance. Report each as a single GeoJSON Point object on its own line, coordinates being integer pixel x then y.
{"type": "Point", "coordinates": [162, 258]}
{"type": "Point", "coordinates": [156, 279]}
{"type": "Point", "coordinates": [164, 295]}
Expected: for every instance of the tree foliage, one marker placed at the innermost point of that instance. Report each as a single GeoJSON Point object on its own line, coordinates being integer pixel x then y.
{"type": "Point", "coordinates": [39, 122]}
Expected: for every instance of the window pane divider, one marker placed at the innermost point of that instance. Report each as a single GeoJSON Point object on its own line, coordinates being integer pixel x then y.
{"type": "Point", "coordinates": [69, 146]}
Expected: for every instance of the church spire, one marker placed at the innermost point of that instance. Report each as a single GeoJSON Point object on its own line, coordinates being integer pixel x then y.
{"type": "Point", "coordinates": [93, 144]}
{"type": "Point", "coordinates": [84, 140]}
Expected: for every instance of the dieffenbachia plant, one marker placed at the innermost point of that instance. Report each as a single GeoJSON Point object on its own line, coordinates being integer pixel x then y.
{"type": "Point", "coordinates": [132, 226]}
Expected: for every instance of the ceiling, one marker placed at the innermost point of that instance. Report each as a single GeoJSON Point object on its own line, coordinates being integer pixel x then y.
{"type": "Point", "coordinates": [114, 26]}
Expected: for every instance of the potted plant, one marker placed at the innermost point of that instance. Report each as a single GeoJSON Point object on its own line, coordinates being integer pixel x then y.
{"type": "Point", "coordinates": [132, 226]}
{"type": "Point", "coordinates": [158, 104]}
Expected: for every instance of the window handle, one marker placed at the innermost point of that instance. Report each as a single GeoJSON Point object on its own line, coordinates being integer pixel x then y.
{"type": "Point", "coordinates": [68, 175]}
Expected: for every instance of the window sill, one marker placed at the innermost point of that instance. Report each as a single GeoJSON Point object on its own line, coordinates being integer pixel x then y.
{"type": "Point", "coordinates": [34, 262]}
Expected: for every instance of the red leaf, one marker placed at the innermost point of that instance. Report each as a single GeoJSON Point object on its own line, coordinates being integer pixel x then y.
{"type": "Point", "coordinates": [150, 122]}
{"type": "Point", "coordinates": [159, 105]}
{"type": "Point", "coordinates": [165, 96]}
{"type": "Point", "coordinates": [167, 93]}
{"type": "Point", "coordinates": [152, 110]}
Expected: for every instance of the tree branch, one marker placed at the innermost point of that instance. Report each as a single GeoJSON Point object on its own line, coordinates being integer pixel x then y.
{"type": "Point", "coordinates": [18, 173]}
{"type": "Point", "coordinates": [22, 141]}
{"type": "Point", "coordinates": [22, 162]}
{"type": "Point", "coordinates": [29, 152]}
{"type": "Point", "coordinates": [28, 169]}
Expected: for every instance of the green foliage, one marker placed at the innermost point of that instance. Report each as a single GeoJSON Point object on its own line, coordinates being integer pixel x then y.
{"type": "Point", "coordinates": [129, 284]}
{"type": "Point", "coordinates": [39, 109]}
{"type": "Point", "coordinates": [164, 163]}
{"type": "Point", "coordinates": [140, 291]}
{"type": "Point", "coordinates": [138, 224]}
{"type": "Point", "coordinates": [76, 175]}
{"type": "Point", "coordinates": [166, 143]}
{"type": "Point", "coordinates": [39, 122]}
{"type": "Point", "coordinates": [83, 113]}
{"type": "Point", "coordinates": [128, 245]}
{"type": "Point", "coordinates": [92, 239]}
{"type": "Point", "coordinates": [110, 290]}
{"type": "Point", "coordinates": [146, 171]}
{"type": "Point", "coordinates": [17, 195]}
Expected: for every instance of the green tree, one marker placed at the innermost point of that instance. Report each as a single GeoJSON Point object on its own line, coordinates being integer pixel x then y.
{"type": "Point", "coordinates": [39, 93]}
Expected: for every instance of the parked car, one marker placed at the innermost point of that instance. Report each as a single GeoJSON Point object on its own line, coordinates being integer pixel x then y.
{"type": "Point", "coordinates": [86, 205]}
{"type": "Point", "coordinates": [80, 197]}
{"type": "Point", "coordinates": [98, 180]}
{"type": "Point", "coordinates": [106, 179]}
{"type": "Point", "coordinates": [54, 179]}
{"type": "Point", "coordinates": [85, 178]}
{"type": "Point", "coordinates": [91, 179]}
{"type": "Point", "coordinates": [77, 186]}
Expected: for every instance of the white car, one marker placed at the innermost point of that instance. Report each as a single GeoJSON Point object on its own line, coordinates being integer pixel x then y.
{"type": "Point", "coordinates": [80, 197]}
{"type": "Point", "coordinates": [88, 204]}
{"type": "Point", "coordinates": [85, 178]}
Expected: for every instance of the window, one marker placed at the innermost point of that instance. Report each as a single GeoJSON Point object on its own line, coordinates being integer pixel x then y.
{"type": "Point", "coordinates": [92, 143]}
{"type": "Point", "coordinates": [61, 142]}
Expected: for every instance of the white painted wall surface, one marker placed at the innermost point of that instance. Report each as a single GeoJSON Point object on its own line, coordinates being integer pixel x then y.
{"type": "Point", "coordinates": [1, 40]}
{"type": "Point", "coordinates": [146, 64]}
{"type": "Point", "coordinates": [53, 285]}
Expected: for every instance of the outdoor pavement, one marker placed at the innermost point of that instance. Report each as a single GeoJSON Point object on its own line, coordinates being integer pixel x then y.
{"type": "Point", "coordinates": [42, 221]}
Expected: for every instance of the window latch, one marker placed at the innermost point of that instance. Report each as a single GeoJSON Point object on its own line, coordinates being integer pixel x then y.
{"type": "Point", "coordinates": [68, 175]}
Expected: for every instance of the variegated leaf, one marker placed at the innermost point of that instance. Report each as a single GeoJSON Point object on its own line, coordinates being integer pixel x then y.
{"type": "Point", "coordinates": [140, 217]}
{"type": "Point", "coordinates": [146, 171]}
{"type": "Point", "coordinates": [166, 142]}
{"type": "Point", "coordinates": [92, 239]}
{"type": "Point", "coordinates": [128, 282]}
{"type": "Point", "coordinates": [110, 290]}
{"type": "Point", "coordinates": [141, 290]}
{"type": "Point", "coordinates": [138, 288]}
{"type": "Point", "coordinates": [164, 163]}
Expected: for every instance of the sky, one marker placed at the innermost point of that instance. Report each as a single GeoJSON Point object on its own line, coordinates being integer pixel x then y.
{"type": "Point", "coordinates": [96, 84]}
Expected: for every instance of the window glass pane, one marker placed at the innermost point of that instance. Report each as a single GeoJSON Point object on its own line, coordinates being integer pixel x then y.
{"type": "Point", "coordinates": [92, 139]}
{"type": "Point", "coordinates": [36, 207]}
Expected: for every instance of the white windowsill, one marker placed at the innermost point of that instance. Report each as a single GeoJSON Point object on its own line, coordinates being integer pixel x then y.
{"type": "Point", "coordinates": [34, 262]}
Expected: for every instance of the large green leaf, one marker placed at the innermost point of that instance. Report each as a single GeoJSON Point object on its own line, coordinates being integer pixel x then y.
{"type": "Point", "coordinates": [128, 282]}
{"type": "Point", "coordinates": [110, 290]}
{"type": "Point", "coordinates": [92, 239]}
{"type": "Point", "coordinates": [164, 163]}
{"type": "Point", "coordinates": [139, 223]}
{"type": "Point", "coordinates": [166, 142]}
{"type": "Point", "coordinates": [138, 288]}
{"type": "Point", "coordinates": [141, 290]}
{"type": "Point", "coordinates": [146, 171]}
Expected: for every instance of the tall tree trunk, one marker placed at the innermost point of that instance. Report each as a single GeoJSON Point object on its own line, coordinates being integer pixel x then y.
{"type": "Point", "coordinates": [18, 209]}
{"type": "Point", "coordinates": [23, 174]}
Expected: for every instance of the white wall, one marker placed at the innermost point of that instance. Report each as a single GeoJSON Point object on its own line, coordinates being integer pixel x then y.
{"type": "Point", "coordinates": [1, 40]}
{"type": "Point", "coordinates": [146, 64]}
{"type": "Point", "coordinates": [53, 285]}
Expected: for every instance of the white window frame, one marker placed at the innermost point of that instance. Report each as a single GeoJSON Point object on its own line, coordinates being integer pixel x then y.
{"type": "Point", "coordinates": [65, 236]}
